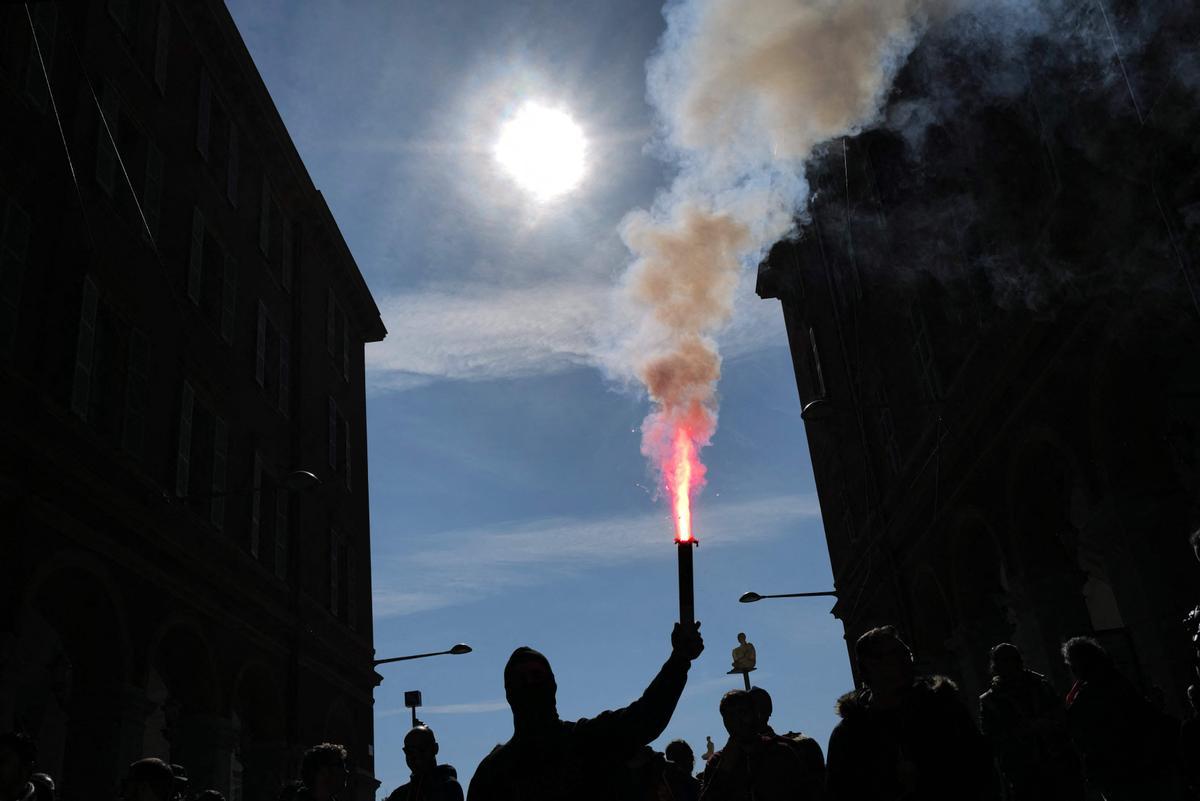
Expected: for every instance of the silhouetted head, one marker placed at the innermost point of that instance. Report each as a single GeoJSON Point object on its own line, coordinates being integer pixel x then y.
{"type": "Point", "coordinates": [679, 754]}
{"type": "Point", "coordinates": [530, 688]}
{"type": "Point", "coordinates": [1007, 662]}
{"type": "Point", "coordinates": [148, 779]}
{"type": "Point", "coordinates": [741, 638]}
{"type": "Point", "coordinates": [181, 780]}
{"type": "Point", "coordinates": [762, 706]}
{"type": "Point", "coordinates": [18, 755]}
{"type": "Point", "coordinates": [420, 749]}
{"type": "Point", "coordinates": [884, 660]}
{"type": "Point", "coordinates": [324, 770]}
{"type": "Point", "coordinates": [739, 716]}
{"type": "Point", "coordinates": [1085, 658]}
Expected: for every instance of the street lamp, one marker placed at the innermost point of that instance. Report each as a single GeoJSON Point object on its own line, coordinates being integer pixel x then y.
{"type": "Point", "coordinates": [751, 597]}
{"type": "Point", "coordinates": [457, 650]}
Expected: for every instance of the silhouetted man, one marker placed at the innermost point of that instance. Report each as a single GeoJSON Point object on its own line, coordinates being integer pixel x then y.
{"type": "Point", "coordinates": [808, 749]}
{"type": "Point", "coordinates": [678, 774]}
{"type": "Point", "coordinates": [430, 781]}
{"type": "Point", "coordinates": [148, 779]}
{"type": "Point", "coordinates": [1189, 742]}
{"type": "Point", "coordinates": [17, 757]}
{"type": "Point", "coordinates": [323, 773]}
{"type": "Point", "coordinates": [1026, 724]}
{"type": "Point", "coordinates": [904, 736]}
{"type": "Point", "coordinates": [753, 765]}
{"type": "Point", "coordinates": [1128, 752]}
{"type": "Point", "coordinates": [549, 759]}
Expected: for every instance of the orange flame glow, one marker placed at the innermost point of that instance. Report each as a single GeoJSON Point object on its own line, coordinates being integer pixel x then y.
{"type": "Point", "coordinates": [683, 456]}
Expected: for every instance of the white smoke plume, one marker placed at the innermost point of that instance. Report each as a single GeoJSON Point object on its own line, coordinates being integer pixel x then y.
{"type": "Point", "coordinates": [744, 92]}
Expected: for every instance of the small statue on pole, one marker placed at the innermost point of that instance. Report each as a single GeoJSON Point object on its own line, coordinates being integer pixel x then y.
{"type": "Point", "coordinates": [744, 658]}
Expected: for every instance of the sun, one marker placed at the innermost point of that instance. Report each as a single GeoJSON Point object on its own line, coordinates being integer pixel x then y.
{"type": "Point", "coordinates": [543, 149]}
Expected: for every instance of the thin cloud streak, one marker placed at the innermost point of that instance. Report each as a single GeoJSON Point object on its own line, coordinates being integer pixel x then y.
{"type": "Point", "coordinates": [469, 565]}
{"type": "Point", "coordinates": [474, 708]}
{"type": "Point", "coordinates": [468, 333]}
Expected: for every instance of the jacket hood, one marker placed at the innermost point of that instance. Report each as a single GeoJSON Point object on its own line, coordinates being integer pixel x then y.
{"type": "Point", "coordinates": [857, 702]}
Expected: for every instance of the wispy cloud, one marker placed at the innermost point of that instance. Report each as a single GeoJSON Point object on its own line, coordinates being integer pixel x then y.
{"type": "Point", "coordinates": [473, 708]}
{"type": "Point", "coordinates": [469, 332]}
{"type": "Point", "coordinates": [469, 565]}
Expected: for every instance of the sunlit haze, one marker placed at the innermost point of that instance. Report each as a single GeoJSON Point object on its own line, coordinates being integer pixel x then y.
{"type": "Point", "coordinates": [543, 149]}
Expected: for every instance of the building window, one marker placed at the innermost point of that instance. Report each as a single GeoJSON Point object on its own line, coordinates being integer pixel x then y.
{"type": "Point", "coordinates": [272, 362]}
{"type": "Point", "coordinates": [887, 431]}
{"type": "Point", "coordinates": [285, 376]}
{"type": "Point", "coordinates": [14, 251]}
{"type": "Point", "coordinates": [285, 261]}
{"type": "Point", "coordinates": [339, 442]}
{"type": "Point", "coordinates": [41, 54]}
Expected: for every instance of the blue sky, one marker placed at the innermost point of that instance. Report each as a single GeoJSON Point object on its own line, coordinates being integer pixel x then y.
{"type": "Point", "coordinates": [509, 501]}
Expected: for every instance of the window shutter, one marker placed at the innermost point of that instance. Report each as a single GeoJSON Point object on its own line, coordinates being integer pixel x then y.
{"type": "Point", "coordinates": [220, 459]}
{"type": "Point", "coordinates": [285, 375]}
{"type": "Point", "coordinates": [231, 168]}
{"type": "Point", "coordinates": [161, 46]}
{"type": "Point", "coordinates": [195, 274]}
{"type": "Point", "coordinates": [204, 114]}
{"type": "Point", "coordinates": [256, 505]}
{"type": "Point", "coordinates": [107, 132]}
{"type": "Point", "coordinates": [228, 298]}
{"type": "Point", "coordinates": [281, 534]}
{"type": "Point", "coordinates": [264, 218]}
{"type": "Point", "coordinates": [152, 189]}
{"type": "Point", "coordinates": [14, 248]}
{"type": "Point", "coordinates": [136, 387]}
{"type": "Point", "coordinates": [183, 457]}
{"type": "Point", "coordinates": [330, 323]}
{"type": "Point", "coordinates": [260, 347]}
{"type": "Point", "coordinates": [84, 345]}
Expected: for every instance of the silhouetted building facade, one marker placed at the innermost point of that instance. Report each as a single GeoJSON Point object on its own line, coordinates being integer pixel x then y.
{"type": "Point", "coordinates": [181, 328]}
{"type": "Point", "coordinates": [993, 308]}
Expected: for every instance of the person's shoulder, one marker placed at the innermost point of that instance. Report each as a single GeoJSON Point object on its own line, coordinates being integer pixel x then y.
{"type": "Point", "coordinates": [400, 793]}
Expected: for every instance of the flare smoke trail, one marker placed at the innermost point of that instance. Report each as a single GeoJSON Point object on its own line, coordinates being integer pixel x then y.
{"type": "Point", "coordinates": [743, 93]}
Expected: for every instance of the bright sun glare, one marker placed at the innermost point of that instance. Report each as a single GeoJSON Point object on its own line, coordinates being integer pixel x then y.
{"type": "Point", "coordinates": [543, 149]}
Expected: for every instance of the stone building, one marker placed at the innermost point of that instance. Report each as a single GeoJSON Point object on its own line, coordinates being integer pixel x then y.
{"type": "Point", "coordinates": [181, 331]}
{"type": "Point", "coordinates": [993, 307]}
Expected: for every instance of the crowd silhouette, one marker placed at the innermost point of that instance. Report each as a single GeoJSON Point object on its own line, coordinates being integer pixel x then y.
{"type": "Point", "coordinates": [902, 736]}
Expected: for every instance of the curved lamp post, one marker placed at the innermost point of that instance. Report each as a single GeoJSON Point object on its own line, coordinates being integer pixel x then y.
{"type": "Point", "coordinates": [751, 597]}
{"type": "Point", "coordinates": [457, 650]}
